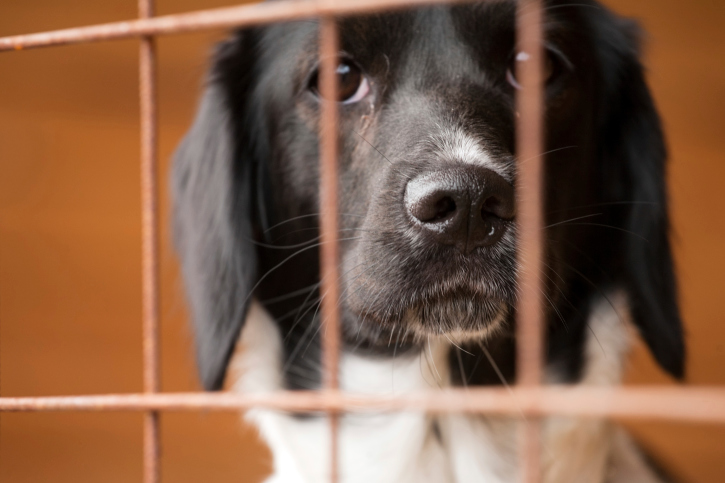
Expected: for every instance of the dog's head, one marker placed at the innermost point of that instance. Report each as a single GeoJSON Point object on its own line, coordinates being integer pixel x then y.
{"type": "Point", "coordinates": [427, 175]}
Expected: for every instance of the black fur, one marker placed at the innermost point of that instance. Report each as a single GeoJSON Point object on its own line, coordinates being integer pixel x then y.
{"type": "Point", "coordinates": [246, 177]}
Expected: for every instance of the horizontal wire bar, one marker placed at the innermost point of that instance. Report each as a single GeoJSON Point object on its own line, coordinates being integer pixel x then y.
{"type": "Point", "coordinates": [691, 405]}
{"type": "Point", "coordinates": [702, 404]}
{"type": "Point", "coordinates": [240, 16]}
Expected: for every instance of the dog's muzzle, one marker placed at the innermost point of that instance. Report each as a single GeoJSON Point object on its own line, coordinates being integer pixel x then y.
{"type": "Point", "coordinates": [464, 206]}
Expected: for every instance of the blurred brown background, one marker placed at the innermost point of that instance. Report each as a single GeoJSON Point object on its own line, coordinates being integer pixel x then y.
{"type": "Point", "coordinates": [70, 249]}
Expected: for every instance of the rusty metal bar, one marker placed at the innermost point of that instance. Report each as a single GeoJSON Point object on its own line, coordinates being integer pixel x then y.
{"type": "Point", "coordinates": [150, 245]}
{"type": "Point", "coordinates": [219, 18]}
{"type": "Point", "coordinates": [329, 230]}
{"type": "Point", "coordinates": [529, 146]}
{"type": "Point", "coordinates": [330, 253]}
{"type": "Point", "coordinates": [696, 405]}
{"type": "Point", "coordinates": [530, 335]}
{"type": "Point", "coordinates": [701, 405]}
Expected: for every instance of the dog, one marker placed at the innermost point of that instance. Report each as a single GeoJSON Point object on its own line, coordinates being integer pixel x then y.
{"type": "Point", "coordinates": [428, 241]}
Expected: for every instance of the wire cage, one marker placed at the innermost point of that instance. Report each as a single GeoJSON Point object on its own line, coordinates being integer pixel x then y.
{"type": "Point", "coordinates": [532, 399]}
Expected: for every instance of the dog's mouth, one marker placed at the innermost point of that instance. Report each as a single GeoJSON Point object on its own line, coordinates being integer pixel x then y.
{"type": "Point", "coordinates": [458, 312]}
{"type": "Point", "coordinates": [428, 290]}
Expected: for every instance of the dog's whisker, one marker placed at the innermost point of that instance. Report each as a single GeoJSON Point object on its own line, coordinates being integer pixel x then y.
{"type": "Point", "coordinates": [309, 215]}
{"type": "Point", "coordinates": [317, 238]}
{"type": "Point", "coordinates": [613, 228]}
{"type": "Point", "coordinates": [501, 378]}
{"type": "Point", "coordinates": [586, 322]}
{"type": "Point", "coordinates": [392, 333]}
{"type": "Point", "coordinates": [553, 306]}
{"type": "Point", "coordinates": [464, 378]}
{"type": "Point", "coordinates": [381, 154]}
{"type": "Point", "coordinates": [345, 295]}
{"type": "Point", "coordinates": [317, 324]}
{"type": "Point", "coordinates": [318, 329]}
{"type": "Point", "coordinates": [473, 369]}
{"type": "Point", "coordinates": [556, 285]}
{"type": "Point", "coordinates": [439, 379]}
{"type": "Point", "coordinates": [292, 357]}
{"type": "Point", "coordinates": [549, 8]}
{"type": "Point", "coordinates": [284, 247]}
{"type": "Point", "coordinates": [570, 304]}
{"type": "Point", "coordinates": [506, 385]}
{"type": "Point", "coordinates": [397, 342]}
{"type": "Point", "coordinates": [271, 270]}
{"type": "Point", "coordinates": [364, 312]}
{"type": "Point", "coordinates": [295, 312]}
{"type": "Point", "coordinates": [494, 365]}
{"type": "Point", "coordinates": [361, 321]}
{"type": "Point", "coordinates": [300, 316]}
{"type": "Point", "coordinates": [571, 219]}
{"type": "Point", "coordinates": [548, 299]}
{"type": "Point", "coordinates": [595, 286]}
{"type": "Point", "coordinates": [302, 244]}
{"type": "Point", "coordinates": [585, 255]}
{"type": "Point", "coordinates": [607, 203]}
{"type": "Point", "coordinates": [290, 295]}
{"type": "Point", "coordinates": [551, 151]}
{"type": "Point", "coordinates": [454, 344]}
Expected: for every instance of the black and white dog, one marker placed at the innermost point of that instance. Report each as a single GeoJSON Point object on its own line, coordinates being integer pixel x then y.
{"type": "Point", "coordinates": [428, 254]}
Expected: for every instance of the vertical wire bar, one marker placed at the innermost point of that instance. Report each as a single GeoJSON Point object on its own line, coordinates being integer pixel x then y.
{"type": "Point", "coordinates": [149, 249]}
{"type": "Point", "coordinates": [530, 323]}
{"type": "Point", "coordinates": [330, 254]}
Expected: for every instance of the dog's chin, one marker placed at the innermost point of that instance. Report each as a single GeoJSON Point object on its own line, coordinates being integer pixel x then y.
{"type": "Point", "coordinates": [460, 317]}
{"type": "Point", "coordinates": [457, 317]}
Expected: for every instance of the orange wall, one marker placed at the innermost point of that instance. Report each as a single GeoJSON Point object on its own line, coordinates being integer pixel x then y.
{"type": "Point", "coordinates": [69, 242]}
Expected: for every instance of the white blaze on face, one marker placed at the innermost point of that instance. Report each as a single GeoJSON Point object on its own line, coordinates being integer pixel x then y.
{"type": "Point", "coordinates": [453, 144]}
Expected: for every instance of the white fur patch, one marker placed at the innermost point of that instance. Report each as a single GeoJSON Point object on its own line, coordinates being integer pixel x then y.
{"type": "Point", "coordinates": [404, 447]}
{"type": "Point", "coordinates": [454, 144]}
{"type": "Point", "coordinates": [381, 448]}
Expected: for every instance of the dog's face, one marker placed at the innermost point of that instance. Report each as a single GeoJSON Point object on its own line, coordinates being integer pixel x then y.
{"type": "Point", "coordinates": [427, 174]}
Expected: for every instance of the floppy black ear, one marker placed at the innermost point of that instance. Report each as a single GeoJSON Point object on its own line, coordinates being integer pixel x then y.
{"type": "Point", "coordinates": [212, 190]}
{"type": "Point", "coordinates": [634, 148]}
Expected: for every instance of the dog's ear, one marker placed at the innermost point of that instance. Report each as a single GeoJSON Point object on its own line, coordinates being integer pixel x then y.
{"type": "Point", "coordinates": [634, 156]}
{"type": "Point", "coordinates": [213, 191]}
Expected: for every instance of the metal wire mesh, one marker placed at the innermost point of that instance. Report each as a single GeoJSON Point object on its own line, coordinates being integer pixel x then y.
{"type": "Point", "coordinates": [528, 397]}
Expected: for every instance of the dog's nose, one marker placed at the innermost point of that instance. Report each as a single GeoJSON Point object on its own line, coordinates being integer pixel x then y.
{"type": "Point", "coordinates": [464, 206]}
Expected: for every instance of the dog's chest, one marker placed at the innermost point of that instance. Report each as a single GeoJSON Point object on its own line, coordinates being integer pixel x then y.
{"type": "Point", "coordinates": [408, 446]}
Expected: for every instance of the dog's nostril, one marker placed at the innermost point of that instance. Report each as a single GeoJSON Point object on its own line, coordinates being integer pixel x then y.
{"type": "Point", "coordinates": [491, 206]}
{"type": "Point", "coordinates": [443, 209]}
{"type": "Point", "coordinates": [432, 207]}
{"type": "Point", "coordinates": [500, 204]}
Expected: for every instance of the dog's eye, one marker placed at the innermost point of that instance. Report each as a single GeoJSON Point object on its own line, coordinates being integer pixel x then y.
{"type": "Point", "coordinates": [353, 86]}
{"type": "Point", "coordinates": [554, 64]}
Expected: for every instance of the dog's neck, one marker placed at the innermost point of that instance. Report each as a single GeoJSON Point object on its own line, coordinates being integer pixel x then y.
{"type": "Point", "coordinates": [413, 446]}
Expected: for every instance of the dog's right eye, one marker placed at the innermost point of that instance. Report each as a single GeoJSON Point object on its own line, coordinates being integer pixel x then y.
{"type": "Point", "coordinates": [352, 84]}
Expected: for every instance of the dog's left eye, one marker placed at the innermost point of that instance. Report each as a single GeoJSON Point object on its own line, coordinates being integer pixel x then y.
{"type": "Point", "coordinates": [555, 64]}
{"type": "Point", "coordinates": [352, 84]}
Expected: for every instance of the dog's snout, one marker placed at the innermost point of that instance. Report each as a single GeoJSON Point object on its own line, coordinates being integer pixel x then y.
{"type": "Point", "coordinates": [464, 206]}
